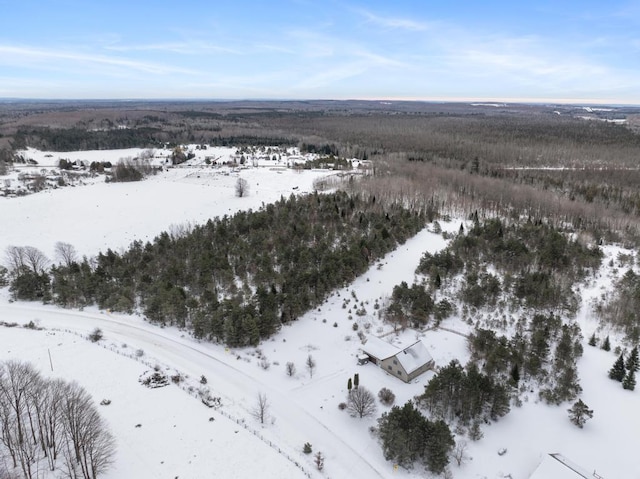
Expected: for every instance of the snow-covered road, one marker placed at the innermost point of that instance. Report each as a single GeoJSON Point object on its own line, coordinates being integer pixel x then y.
{"type": "Point", "coordinates": [294, 424]}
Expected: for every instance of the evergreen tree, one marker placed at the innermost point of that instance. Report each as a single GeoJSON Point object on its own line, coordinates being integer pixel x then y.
{"type": "Point", "coordinates": [356, 380]}
{"type": "Point", "coordinates": [617, 372]}
{"type": "Point", "coordinates": [593, 341]}
{"type": "Point", "coordinates": [515, 374]}
{"type": "Point", "coordinates": [633, 363]}
{"type": "Point", "coordinates": [401, 433]}
{"type": "Point", "coordinates": [579, 413]}
{"type": "Point", "coordinates": [438, 445]}
{"type": "Point", "coordinates": [349, 385]}
{"type": "Point", "coordinates": [606, 345]}
{"type": "Point", "coordinates": [629, 381]}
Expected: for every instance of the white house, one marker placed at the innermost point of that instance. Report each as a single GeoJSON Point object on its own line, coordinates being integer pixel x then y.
{"type": "Point", "coordinates": [406, 364]}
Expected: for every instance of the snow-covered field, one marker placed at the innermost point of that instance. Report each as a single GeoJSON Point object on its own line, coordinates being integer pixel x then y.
{"type": "Point", "coordinates": [175, 436]}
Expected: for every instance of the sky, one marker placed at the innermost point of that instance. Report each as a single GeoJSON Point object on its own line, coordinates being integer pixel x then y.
{"type": "Point", "coordinates": [547, 50]}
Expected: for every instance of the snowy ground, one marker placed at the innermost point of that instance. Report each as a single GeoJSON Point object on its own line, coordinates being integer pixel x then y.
{"type": "Point", "coordinates": [176, 437]}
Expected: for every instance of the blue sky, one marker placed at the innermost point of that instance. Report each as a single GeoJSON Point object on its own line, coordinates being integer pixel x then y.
{"type": "Point", "coordinates": [561, 50]}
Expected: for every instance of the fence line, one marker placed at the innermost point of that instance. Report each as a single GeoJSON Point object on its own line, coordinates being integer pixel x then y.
{"type": "Point", "coordinates": [192, 391]}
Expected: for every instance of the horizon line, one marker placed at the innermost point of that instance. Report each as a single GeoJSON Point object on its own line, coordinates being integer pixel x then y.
{"type": "Point", "coordinates": [470, 100]}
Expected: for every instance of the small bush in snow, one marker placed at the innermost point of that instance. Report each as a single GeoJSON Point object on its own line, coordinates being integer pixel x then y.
{"type": "Point", "coordinates": [96, 335]}
{"type": "Point", "coordinates": [386, 396]}
{"type": "Point", "coordinates": [265, 364]}
{"type": "Point", "coordinates": [307, 448]}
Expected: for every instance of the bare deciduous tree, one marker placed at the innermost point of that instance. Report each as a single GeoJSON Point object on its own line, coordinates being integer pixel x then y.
{"type": "Point", "coordinates": [41, 418]}
{"type": "Point", "coordinates": [35, 259]}
{"type": "Point", "coordinates": [460, 452]}
{"type": "Point", "coordinates": [20, 257]}
{"type": "Point", "coordinates": [66, 253]}
{"type": "Point", "coordinates": [361, 402]}
{"type": "Point", "coordinates": [89, 447]}
{"type": "Point", "coordinates": [261, 408]}
{"type": "Point", "coordinates": [14, 257]}
{"type": "Point", "coordinates": [311, 365]}
{"type": "Point", "coordinates": [242, 188]}
{"type": "Point", "coordinates": [291, 369]}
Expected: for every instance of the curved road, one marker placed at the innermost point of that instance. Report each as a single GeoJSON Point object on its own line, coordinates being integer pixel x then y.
{"type": "Point", "coordinates": [297, 424]}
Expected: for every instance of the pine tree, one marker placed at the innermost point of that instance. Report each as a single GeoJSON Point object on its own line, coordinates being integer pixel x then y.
{"type": "Point", "coordinates": [356, 380]}
{"type": "Point", "coordinates": [606, 345]}
{"type": "Point", "coordinates": [629, 381]}
{"type": "Point", "coordinates": [617, 372]}
{"type": "Point", "coordinates": [349, 385]}
{"type": "Point", "coordinates": [579, 413]}
{"type": "Point", "coordinates": [515, 374]}
{"type": "Point", "coordinates": [633, 363]}
{"type": "Point", "coordinates": [593, 341]}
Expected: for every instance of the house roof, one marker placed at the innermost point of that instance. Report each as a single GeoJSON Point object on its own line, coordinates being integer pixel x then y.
{"type": "Point", "coordinates": [411, 357]}
{"type": "Point", "coordinates": [556, 466]}
{"type": "Point", "coordinates": [379, 348]}
{"type": "Point", "coordinates": [414, 356]}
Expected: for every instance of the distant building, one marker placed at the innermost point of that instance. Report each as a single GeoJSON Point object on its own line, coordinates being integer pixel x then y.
{"type": "Point", "coordinates": [406, 364]}
{"type": "Point", "coordinates": [556, 466]}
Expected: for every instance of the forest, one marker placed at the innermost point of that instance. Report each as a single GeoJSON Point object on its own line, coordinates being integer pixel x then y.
{"type": "Point", "coordinates": [234, 279]}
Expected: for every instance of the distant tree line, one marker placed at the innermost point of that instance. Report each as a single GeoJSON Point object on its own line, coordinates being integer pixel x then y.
{"type": "Point", "coordinates": [234, 279]}
{"type": "Point", "coordinates": [71, 139]}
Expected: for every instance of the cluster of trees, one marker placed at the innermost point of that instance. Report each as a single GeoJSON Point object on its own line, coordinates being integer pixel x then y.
{"type": "Point", "coordinates": [131, 170]}
{"type": "Point", "coordinates": [28, 272]}
{"type": "Point", "coordinates": [414, 306]}
{"type": "Point", "coordinates": [235, 279]}
{"type": "Point", "coordinates": [465, 396]}
{"type": "Point", "coordinates": [538, 264]}
{"type": "Point", "coordinates": [542, 350]}
{"type": "Point", "coordinates": [51, 421]}
{"type": "Point", "coordinates": [621, 307]}
{"type": "Point", "coordinates": [407, 437]}
{"type": "Point", "coordinates": [625, 371]}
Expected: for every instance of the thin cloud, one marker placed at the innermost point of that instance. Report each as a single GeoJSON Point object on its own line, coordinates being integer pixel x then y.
{"type": "Point", "coordinates": [25, 56]}
{"type": "Point", "coordinates": [393, 22]}
{"type": "Point", "coordinates": [185, 48]}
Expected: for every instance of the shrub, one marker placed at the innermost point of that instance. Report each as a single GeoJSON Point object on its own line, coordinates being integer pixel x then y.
{"type": "Point", "coordinates": [96, 335]}
{"type": "Point", "coordinates": [307, 448]}
{"type": "Point", "coordinates": [386, 396]}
